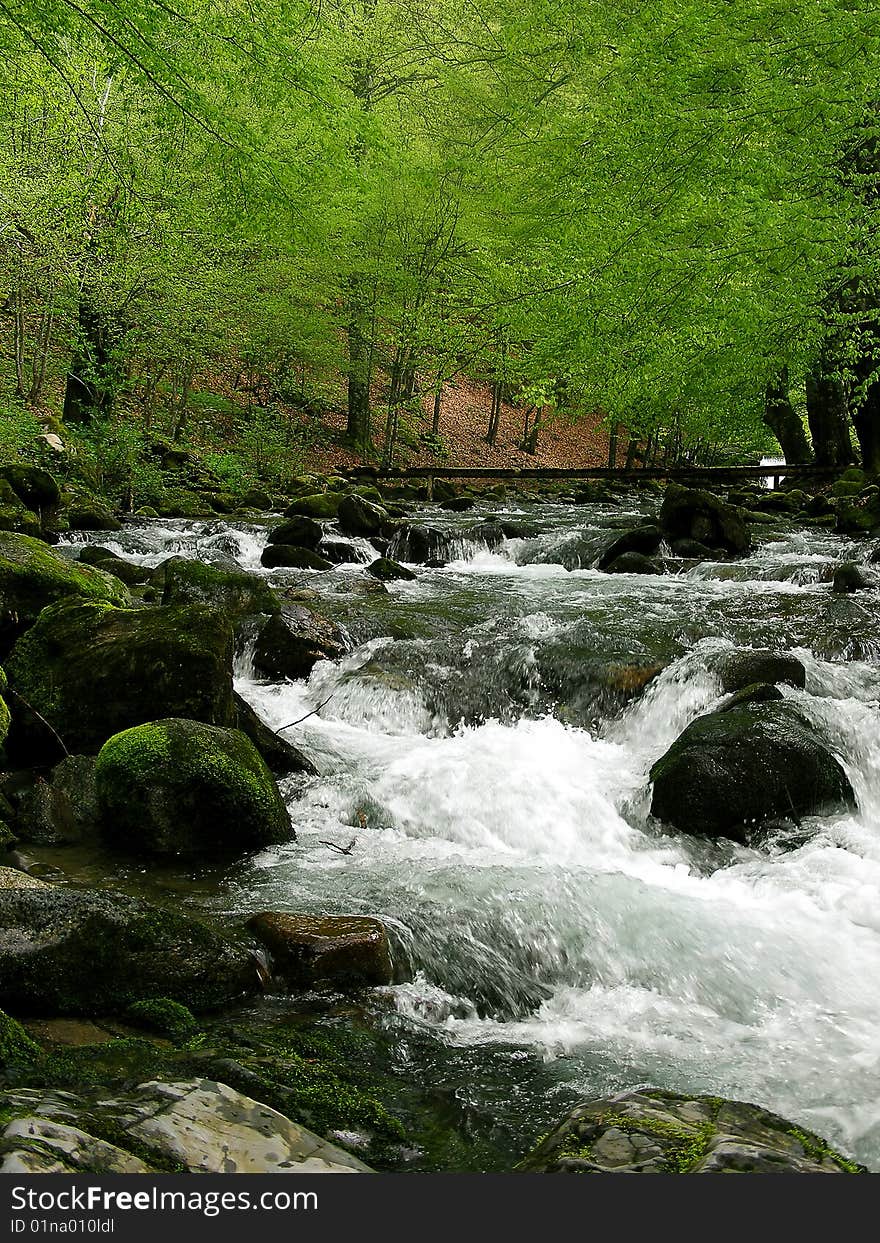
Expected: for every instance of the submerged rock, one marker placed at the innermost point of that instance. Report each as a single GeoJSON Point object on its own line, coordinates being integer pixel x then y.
{"type": "Point", "coordinates": [200, 1125]}
{"type": "Point", "coordinates": [689, 513]}
{"type": "Point", "coordinates": [33, 576]}
{"type": "Point", "coordinates": [292, 642]}
{"type": "Point", "coordinates": [734, 769]}
{"type": "Point", "coordinates": [66, 951]}
{"type": "Point", "coordinates": [633, 563]}
{"type": "Point", "coordinates": [655, 1132]}
{"type": "Point", "coordinates": [183, 788]}
{"type": "Point", "coordinates": [91, 670]}
{"type": "Point", "coordinates": [346, 951]}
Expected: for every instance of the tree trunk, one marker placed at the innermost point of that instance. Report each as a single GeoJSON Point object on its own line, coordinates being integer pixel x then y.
{"type": "Point", "coordinates": [782, 419]}
{"type": "Point", "coordinates": [438, 404]}
{"type": "Point", "coordinates": [612, 446]}
{"type": "Point", "coordinates": [867, 424]}
{"type": "Point", "coordinates": [827, 417]}
{"type": "Point", "coordinates": [358, 427]}
{"type": "Point", "coordinates": [89, 389]}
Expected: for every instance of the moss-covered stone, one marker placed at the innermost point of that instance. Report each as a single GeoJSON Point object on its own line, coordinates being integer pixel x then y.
{"type": "Point", "coordinates": [181, 787]}
{"type": "Point", "coordinates": [17, 1050]}
{"type": "Point", "coordinates": [233, 591]}
{"type": "Point", "coordinates": [84, 511]}
{"type": "Point", "coordinates": [321, 505]}
{"type": "Point", "coordinates": [90, 952]}
{"type": "Point", "coordinates": [36, 488]}
{"type": "Point", "coordinates": [32, 576]}
{"type": "Point", "coordinates": [92, 670]}
{"type": "Point", "coordinates": [165, 1017]}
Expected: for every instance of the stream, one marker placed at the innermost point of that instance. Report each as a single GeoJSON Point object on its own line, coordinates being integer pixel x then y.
{"type": "Point", "coordinates": [482, 750]}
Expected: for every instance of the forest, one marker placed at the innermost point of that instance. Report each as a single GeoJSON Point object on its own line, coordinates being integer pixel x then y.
{"type": "Point", "coordinates": [220, 222]}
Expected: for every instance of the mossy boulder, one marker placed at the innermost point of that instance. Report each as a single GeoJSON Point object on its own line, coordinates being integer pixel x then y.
{"type": "Point", "coordinates": [5, 715]}
{"type": "Point", "coordinates": [17, 1050]}
{"type": "Point", "coordinates": [54, 809]}
{"type": "Point", "coordinates": [731, 771]}
{"type": "Point", "coordinates": [321, 505]}
{"type": "Point", "coordinates": [657, 1132]}
{"type": "Point", "coordinates": [233, 591]}
{"type": "Point", "coordinates": [91, 670]}
{"type": "Point", "coordinates": [294, 640]}
{"type": "Point", "coordinates": [32, 576]}
{"type": "Point", "coordinates": [387, 571]}
{"type": "Point", "coordinates": [36, 488]}
{"type": "Point", "coordinates": [164, 1016]}
{"type": "Point", "coordinates": [184, 788]}
{"type": "Point", "coordinates": [859, 515]}
{"type": "Point", "coordinates": [15, 516]}
{"type": "Point", "coordinates": [84, 511]}
{"type": "Point", "coordinates": [690, 513]}
{"type": "Point", "coordinates": [65, 951]}
{"type": "Point", "coordinates": [128, 572]}
{"type": "Point", "coordinates": [358, 516]}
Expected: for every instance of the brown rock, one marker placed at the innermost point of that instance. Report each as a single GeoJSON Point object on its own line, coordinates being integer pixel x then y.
{"type": "Point", "coordinates": [342, 950]}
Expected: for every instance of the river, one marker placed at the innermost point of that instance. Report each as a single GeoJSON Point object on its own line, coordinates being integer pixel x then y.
{"type": "Point", "coordinates": [478, 748]}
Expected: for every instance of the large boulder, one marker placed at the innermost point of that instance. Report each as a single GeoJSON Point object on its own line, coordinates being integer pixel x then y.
{"type": "Point", "coordinates": [689, 513]}
{"type": "Point", "coordinates": [33, 575]}
{"type": "Point", "coordinates": [185, 788]}
{"type": "Point", "coordinates": [849, 578]}
{"type": "Point", "coordinates": [750, 665]}
{"type": "Point", "coordinates": [419, 544]}
{"type": "Point", "coordinates": [294, 640]}
{"type": "Point", "coordinates": [66, 951]}
{"type": "Point", "coordinates": [324, 506]}
{"type": "Point", "coordinates": [656, 1132]}
{"type": "Point", "coordinates": [292, 557]}
{"type": "Point", "coordinates": [301, 532]}
{"type": "Point", "coordinates": [645, 540]}
{"type": "Point", "coordinates": [360, 517]}
{"type": "Point", "coordinates": [36, 488]}
{"type": "Point", "coordinates": [345, 951]}
{"type": "Point", "coordinates": [55, 809]}
{"type": "Point", "coordinates": [91, 670]}
{"type": "Point", "coordinates": [235, 592]}
{"type": "Point", "coordinates": [732, 770]}
{"type": "Point", "coordinates": [198, 1125]}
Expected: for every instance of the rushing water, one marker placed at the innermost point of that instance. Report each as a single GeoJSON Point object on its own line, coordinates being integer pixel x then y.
{"type": "Point", "coordinates": [477, 746]}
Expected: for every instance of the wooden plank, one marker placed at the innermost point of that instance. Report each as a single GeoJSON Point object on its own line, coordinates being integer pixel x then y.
{"type": "Point", "coordinates": [708, 473]}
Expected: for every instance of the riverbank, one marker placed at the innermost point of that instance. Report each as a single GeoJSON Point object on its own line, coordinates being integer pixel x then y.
{"type": "Point", "coordinates": [472, 732]}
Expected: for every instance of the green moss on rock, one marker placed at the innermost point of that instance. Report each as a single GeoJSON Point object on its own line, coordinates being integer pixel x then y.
{"type": "Point", "coordinates": [92, 670]}
{"type": "Point", "coordinates": [181, 787]}
{"type": "Point", "coordinates": [165, 1017]}
{"type": "Point", "coordinates": [33, 575]}
{"type": "Point", "coordinates": [238, 594]}
{"type": "Point", "coordinates": [17, 1050]}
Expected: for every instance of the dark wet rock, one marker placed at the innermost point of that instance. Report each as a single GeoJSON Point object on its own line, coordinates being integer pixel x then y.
{"type": "Point", "coordinates": [339, 551]}
{"type": "Point", "coordinates": [458, 504]}
{"type": "Point", "coordinates": [127, 572]}
{"type": "Point", "coordinates": [66, 951]}
{"type": "Point", "coordinates": [691, 550]}
{"type": "Point", "coordinates": [256, 498]}
{"type": "Point", "coordinates": [744, 668]}
{"type": "Point", "coordinates": [489, 533]}
{"type": "Point", "coordinates": [758, 692]}
{"type": "Point", "coordinates": [58, 808]}
{"type": "Point", "coordinates": [513, 529]}
{"type": "Point", "coordinates": [778, 502]}
{"type": "Point", "coordinates": [344, 951]}
{"type": "Point", "coordinates": [358, 516]}
{"type": "Point", "coordinates": [289, 557]}
{"type": "Point", "coordinates": [87, 512]}
{"type": "Point", "coordinates": [184, 788]}
{"type": "Point", "coordinates": [849, 578]}
{"type": "Point", "coordinates": [200, 1126]}
{"type": "Point", "coordinates": [644, 540]}
{"type": "Point", "coordinates": [281, 756]}
{"type": "Point", "coordinates": [819, 506]}
{"type": "Point", "coordinates": [301, 532]}
{"type": "Point", "coordinates": [419, 544]}
{"type": "Point", "coordinates": [688, 513]}
{"type": "Point", "coordinates": [36, 488]}
{"type": "Point", "coordinates": [231, 590]}
{"type": "Point", "coordinates": [858, 515]}
{"type": "Point", "coordinates": [321, 505]}
{"type": "Point", "coordinates": [33, 575]}
{"type": "Point", "coordinates": [294, 640]}
{"type": "Point", "coordinates": [732, 769]}
{"type": "Point", "coordinates": [656, 1132]}
{"type": "Point", "coordinates": [91, 670]}
{"type": "Point", "coordinates": [386, 570]}
{"type": "Point", "coordinates": [633, 563]}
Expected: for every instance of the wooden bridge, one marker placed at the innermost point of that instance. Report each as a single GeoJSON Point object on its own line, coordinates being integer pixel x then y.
{"type": "Point", "coordinates": [702, 475]}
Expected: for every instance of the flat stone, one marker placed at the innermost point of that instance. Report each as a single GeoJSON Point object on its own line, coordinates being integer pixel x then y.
{"type": "Point", "coordinates": [342, 950]}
